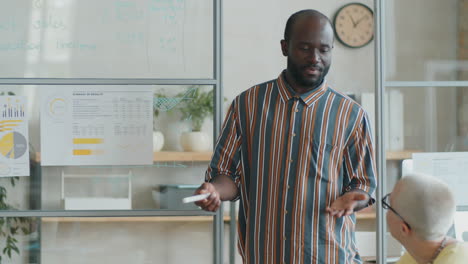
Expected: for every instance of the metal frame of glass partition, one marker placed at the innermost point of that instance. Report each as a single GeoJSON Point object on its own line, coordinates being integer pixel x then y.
{"type": "Point", "coordinates": [380, 132]}
{"type": "Point", "coordinates": [381, 85]}
{"type": "Point", "coordinates": [216, 82]}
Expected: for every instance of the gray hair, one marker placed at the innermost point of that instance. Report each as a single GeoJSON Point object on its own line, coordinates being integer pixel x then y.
{"type": "Point", "coordinates": [426, 203]}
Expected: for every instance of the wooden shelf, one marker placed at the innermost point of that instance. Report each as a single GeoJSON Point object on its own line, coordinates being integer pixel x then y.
{"type": "Point", "coordinates": [164, 219]}
{"type": "Point", "coordinates": [400, 155]}
{"type": "Point", "coordinates": [365, 216]}
{"type": "Point", "coordinates": [206, 156]}
{"type": "Point", "coordinates": [181, 156]}
{"type": "Point", "coordinates": [167, 156]}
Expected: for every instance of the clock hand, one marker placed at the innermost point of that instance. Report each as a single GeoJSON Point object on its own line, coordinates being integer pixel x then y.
{"type": "Point", "coordinates": [359, 20]}
{"type": "Point", "coordinates": [352, 21]}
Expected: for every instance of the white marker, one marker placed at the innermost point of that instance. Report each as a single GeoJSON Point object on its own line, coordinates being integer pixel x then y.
{"type": "Point", "coordinates": [195, 198]}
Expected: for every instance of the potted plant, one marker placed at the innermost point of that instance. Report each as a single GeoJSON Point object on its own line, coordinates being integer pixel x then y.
{"type": "Point", "coordinates": [194, 104]}
{"type": "Point", "coordinates": [196, 108]}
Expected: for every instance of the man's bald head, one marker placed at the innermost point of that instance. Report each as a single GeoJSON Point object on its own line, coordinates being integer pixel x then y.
{"type": "Point", "coordinates": [307, 13]}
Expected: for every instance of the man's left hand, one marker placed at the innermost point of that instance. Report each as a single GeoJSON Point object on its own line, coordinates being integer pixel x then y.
{"type": "Point", "coordinates": [346, 203]}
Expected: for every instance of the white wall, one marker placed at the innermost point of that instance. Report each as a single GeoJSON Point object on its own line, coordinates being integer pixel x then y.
{"type": "Point", "coordinates": [252, 53]}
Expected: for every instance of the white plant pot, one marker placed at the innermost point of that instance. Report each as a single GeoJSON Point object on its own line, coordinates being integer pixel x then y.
{"type": "Point", "coordinates": [196, 141]}
{"type": "Point", "coordinates": [158, 141]}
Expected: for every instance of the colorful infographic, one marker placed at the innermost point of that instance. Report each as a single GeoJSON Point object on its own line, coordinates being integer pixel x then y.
{"type": "Point", "coordinates": [14, 150]}
{"type": "Point", "coordinates": [98, 125]}
{"type": "Point", "coordinates": [13, 145]}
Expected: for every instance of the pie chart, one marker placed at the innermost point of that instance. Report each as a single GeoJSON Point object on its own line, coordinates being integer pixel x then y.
{"type": "Point", "coordinates": [13, 145]}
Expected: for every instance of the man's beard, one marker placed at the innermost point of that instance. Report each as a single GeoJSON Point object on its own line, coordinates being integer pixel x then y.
{"type": "Point", "coordinates": [299, 78]}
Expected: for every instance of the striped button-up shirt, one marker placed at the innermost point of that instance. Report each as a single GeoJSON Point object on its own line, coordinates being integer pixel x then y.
{"type": "Point", "coordinates": [291, 156]}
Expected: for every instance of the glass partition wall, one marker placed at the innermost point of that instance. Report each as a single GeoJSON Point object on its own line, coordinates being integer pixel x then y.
{"type": "Point", "coordinates": [422, 102]}
{"type": "Point", "coordinates": [108, 92]}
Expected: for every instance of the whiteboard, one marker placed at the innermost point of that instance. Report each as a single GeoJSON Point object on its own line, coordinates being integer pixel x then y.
{"type": "Point", "coordinates": [450, 167]}
{"type": "Point", "coordinates": [106, 38]}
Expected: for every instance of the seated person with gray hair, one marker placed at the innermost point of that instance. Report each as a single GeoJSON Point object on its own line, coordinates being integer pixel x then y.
{"type": "Point", "coordinates": [421, 210]}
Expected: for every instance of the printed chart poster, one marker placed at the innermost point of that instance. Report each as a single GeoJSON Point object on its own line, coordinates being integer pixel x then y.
{"type": "Point", "coordinates": [98, 125]}
{"type": "Point", "coordinates": [14, 150]}
{"type": "Point", "coordinates": [450, 167]}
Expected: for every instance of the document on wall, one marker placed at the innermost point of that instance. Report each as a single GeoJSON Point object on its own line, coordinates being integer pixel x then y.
{"type": "Point", "coordinates": [98, 125]}
{"type": "Point", "coordinates": [450, 167]}
{"type": "Point", "coordinates": [14, 147]}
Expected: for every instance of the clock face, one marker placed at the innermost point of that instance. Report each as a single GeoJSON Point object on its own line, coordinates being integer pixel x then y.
{"type": "Point", "coordinates": [354, 25]}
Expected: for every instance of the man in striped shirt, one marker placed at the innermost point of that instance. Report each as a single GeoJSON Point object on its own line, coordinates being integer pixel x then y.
{"type": "Point", "coordinates": [298, 155]}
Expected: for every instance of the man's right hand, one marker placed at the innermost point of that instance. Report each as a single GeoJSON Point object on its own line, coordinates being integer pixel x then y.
{"type": "Point", "coordinates": [212, 202]}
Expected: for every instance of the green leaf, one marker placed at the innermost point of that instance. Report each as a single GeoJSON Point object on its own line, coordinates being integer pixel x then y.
{"type": "Point", "coordinates": [13, 180]}
{"type": "Point", "coordinates": [13, 230]}
{"type": "Point", "coordinates": [25, 230]}
{"type": "Point", "coordinates": [16, 250]}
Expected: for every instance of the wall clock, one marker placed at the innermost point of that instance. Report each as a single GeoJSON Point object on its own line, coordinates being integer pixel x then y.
{"type": "Point", "coordinates": [354, 25]}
